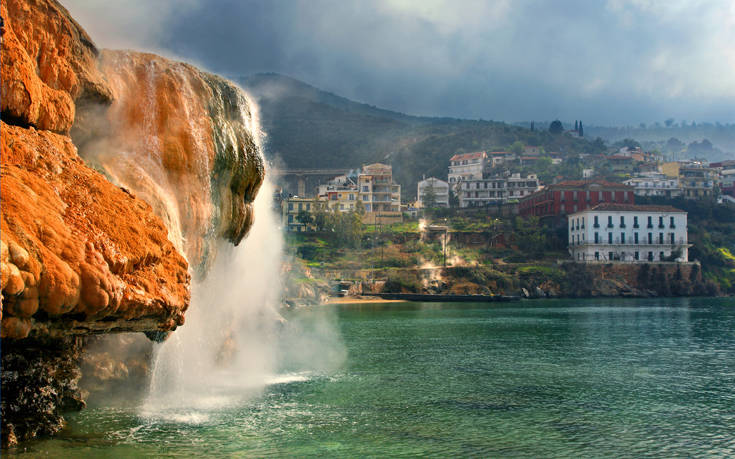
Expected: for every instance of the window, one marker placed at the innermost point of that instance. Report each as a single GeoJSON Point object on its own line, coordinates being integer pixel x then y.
{"type": "Point", "coordinates": [290, 218]}
{"type": "Point", "coordinates": [308, 206]}
{"type": "Point", "coordinates": [597, 222]}
{"type": "Point", "coordinates": [635, 222]}
{"type": "Point", "coordinates": [660, 222]}
{"type": "Point", "coordinates": [671, 222]}
{"type": "Point", "coordinates": [609, 238]}
{"type": "Point", "coordinates": [660, 238]}
{"type": "Point", "coordinates": [650, 238]}
{"type": "Point", "coordinates": [597, 255]}
{"type": "Point", "coordinates": [661, 256]}
{"type": "Point", "coordinates": [635, 237]}
{"type": "Point", "coordinates": [582, 222]}
{"type": "Point", "coordinates": [597, 238]}
{"type": "Point", "coordinates": [367, 208]}
{"type": "Point", "coordinates": [650, 256]}
{"type": "Point", "coordinates": [365, 189]}
{"type": "Point", "coordinates": [650, 222]}
{"type": "Point", "coordinates": [300, 207]}
{"type": "Point", "coordinates": [610, 256]}
{"type": "Point", "coordinates": [622, 238]}
{"type": "Point", "coordinates": [622, 221]}
{"type": "Point", "coordinates": [577, 223]}
{"type": "Point", "coordinates": [637, 256]}
{"type": "Point", "coordinates": [671, 238]}
{"type": "Point", "coordinates": [609, 221]}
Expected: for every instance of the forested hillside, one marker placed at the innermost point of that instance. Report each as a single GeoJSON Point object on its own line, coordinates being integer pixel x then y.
{"type": "Point", "coordinates": [311, 128]}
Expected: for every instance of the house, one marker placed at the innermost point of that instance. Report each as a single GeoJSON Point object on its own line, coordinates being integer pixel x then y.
{"type": "Point", "coordinates": [628, 233]}
{"type": "Point", "coordinates": [341, 194]}
{"type": "Point", "coordinates": [496, 190]}
{"type": "Point", "coordinates": [573, 196]}
{"type": "Point", "coordinates": [654, 184]}
{"type": "Point", "coordinates": [467, 166]}
{"type": "Point", "coordinates": [291, 207]}
{"type": "Point", "coordinates": [697, 181]}
{"type": "Point", "coordinates": [379, 195]}
{"type": "Point", "coordinates": [439, 188]}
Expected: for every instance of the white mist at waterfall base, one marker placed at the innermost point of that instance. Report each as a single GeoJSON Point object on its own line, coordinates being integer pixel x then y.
{"type": "Point", "coordinates": [234, 342]}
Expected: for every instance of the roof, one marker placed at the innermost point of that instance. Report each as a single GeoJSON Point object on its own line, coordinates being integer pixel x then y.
{"type": "Point", "coordinates": [588, 183]}
{"type": "Point", "coordinates": [462, 156]}
{"type": "Point", "coordinates": [614, 207]}
{"type": "Point", "coordinates": [499, 153]}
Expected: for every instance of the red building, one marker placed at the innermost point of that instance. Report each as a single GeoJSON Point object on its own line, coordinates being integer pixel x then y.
{"type": "Point", "coordinates": [573, 196]}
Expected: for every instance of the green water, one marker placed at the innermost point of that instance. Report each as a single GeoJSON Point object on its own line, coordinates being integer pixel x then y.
{"type": "Point", "coordinates": [556, 378]}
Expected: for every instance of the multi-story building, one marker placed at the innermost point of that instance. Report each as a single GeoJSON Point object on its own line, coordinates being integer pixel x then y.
{"type": "Point", "coordinates": [697, 181]}
{"type": "Point", "coordinates": [379, 195]}
{"type": "Point", "coordinates": [439, 189]}
{"type": "Point", "coordinates": [573, 196]}
{"type": "Point", "coordinates": [340, 194]}
{"type": "Point", "coordinates": [291, 207]}
{"type": "Point", "coordinates": [466, 166]}
{"type": "Point", "coordinates": [655, 184]}
{"type": "Point", "coordinates": [628, 233]}
{"type": "Point", "coordinates": [496, 190]}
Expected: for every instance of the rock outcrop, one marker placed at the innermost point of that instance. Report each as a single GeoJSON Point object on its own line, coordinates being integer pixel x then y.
{"type": "Point", "coordinates": [102, 242]}
{"type": "Point", "coordinates": [183, 140]}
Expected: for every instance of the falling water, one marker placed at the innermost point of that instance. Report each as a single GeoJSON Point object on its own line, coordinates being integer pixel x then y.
{"type": "Point", "coordinates": [227, 348]}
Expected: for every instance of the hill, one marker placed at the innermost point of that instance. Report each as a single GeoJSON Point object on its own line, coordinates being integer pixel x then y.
{"type": "Point", "coordinates": [311, 128]}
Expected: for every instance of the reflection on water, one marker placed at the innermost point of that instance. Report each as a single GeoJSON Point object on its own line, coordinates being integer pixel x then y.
{"type": "Point", "coordinates": [562, 378]}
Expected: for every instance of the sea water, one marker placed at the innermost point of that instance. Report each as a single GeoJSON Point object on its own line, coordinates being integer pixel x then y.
{"type": "Point", "coordinates": [541, 378]}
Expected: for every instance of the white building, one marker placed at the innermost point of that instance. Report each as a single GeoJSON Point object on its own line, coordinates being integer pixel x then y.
{"type": "Point", "coordinates": [655, 184]}
{"type": "Point", "coordinates": [496, 190]}
{"type": "Point", "coordinates": [440, 189]}
{"type": "Point", "coordinates": [628, 233]}
{"type": "Point", "coordinates": [466, 166]}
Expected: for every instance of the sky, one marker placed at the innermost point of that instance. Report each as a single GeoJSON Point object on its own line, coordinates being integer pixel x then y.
{"type": "Point", "coordinates": [607, 62]}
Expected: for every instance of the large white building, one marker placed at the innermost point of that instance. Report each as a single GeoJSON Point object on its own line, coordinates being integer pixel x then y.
{"type": "Point", "coordinates": [655, 184]}
{"type": "Point", "coordinates": [440, 189]}
{"type": "Point", "coordinates": [628, 233]}
{"type": "Point", "coordinates": [466, 166]}
{"type": "Point", "coordinates": [496, 190]}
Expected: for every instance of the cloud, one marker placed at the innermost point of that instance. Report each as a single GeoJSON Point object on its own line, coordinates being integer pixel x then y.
{"type": "Point", "coordinates": [621, 61]}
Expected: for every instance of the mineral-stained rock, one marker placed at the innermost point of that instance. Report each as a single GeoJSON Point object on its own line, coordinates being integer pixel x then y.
{"type": "Point", "coordinates": [48, 61]}
{"type": "Point", "coordinates": [183, 140]}
{"type": "Point", "coordinates": [80, 254]}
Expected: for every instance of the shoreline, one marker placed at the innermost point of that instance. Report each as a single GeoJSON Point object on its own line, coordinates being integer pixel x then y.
{"type": "Point", "coordinates": [360, 299]}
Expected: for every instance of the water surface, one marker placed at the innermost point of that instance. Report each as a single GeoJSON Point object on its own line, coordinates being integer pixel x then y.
{"type": "Point", "coordinates": [544, 378]}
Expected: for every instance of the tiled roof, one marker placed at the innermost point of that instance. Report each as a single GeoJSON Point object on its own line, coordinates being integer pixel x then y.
{"type": "Point", "coordinates": [462, 156]}
{"type": "Point", "coordinates": [587, 183]}
{"type": "Point", "coordinates": [614, 207]}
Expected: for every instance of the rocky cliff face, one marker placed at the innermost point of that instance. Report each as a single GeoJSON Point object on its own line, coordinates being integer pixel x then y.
{"type": "Point", "coordinates": [181, 139]}
{"type": "Point", "coordinates": [90, 250]}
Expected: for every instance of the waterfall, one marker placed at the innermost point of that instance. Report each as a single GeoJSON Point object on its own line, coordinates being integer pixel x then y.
{"type": "Point", "coordinates": [227, 348]}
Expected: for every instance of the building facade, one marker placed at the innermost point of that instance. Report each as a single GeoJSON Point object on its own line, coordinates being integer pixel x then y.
{"type": "Point", "coordinates": [379, 195]}
{"type": "Point", "coordinates": [496, 190]}
{"type": "Point", "coordinates": [628, 233]}
{"type": "Point", "coordinates": [655, 184]}
{"type": "Point", "coordinates": [291, 207]}
{"type": "Point", "coordinates": [697, 182]}
{"type": "Point", "coordinates": [466, 166]}
{"type": "Point", "coordinates": [573, 196]}
{"type": "Point", "coordinates": [439, 188]}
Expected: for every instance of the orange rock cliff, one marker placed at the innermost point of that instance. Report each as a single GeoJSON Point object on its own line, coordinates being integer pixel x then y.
{"type": "Point", "coordinates": [119, 171]}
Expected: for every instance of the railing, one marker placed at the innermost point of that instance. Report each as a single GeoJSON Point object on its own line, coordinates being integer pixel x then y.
{"type": "Point", "coordinates": [617, 241]}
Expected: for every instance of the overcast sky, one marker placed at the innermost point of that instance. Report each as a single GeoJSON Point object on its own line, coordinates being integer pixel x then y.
{"type": "Point", "coordinates": [606, 62]}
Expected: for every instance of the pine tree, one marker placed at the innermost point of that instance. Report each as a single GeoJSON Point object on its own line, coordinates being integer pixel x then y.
{"type": "Point", "coordinates": [576, 125]}
{"type": "Point", "coordinates": [581, 129]}
{"type": "Point", "coordinates": [532, 125]}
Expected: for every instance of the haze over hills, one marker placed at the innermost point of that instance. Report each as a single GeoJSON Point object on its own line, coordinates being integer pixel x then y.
{"type": "Point", "coordinates": [310, 128]}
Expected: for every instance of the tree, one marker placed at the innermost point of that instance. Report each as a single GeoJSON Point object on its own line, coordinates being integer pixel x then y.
{"type": "Point", "coordinates": [669, 122]}
{"type": "Point", "coordinates": [517, 147]}
{"type": "Point", "coordinates": [305, 217]}
{"type": "Point", "coordinates": [429, 197]}
{"type": "Point", "coordinates": [576, 125]}
{"type": "Point", "coordinates": [581, 129]}
{"type": "Point", "coordinates": [531, 125]}
{"type": "Point", "coordinates": [556, 127]}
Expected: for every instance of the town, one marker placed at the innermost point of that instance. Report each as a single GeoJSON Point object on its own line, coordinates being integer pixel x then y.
{"type": "Point", "coordinates": [616, 216]}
